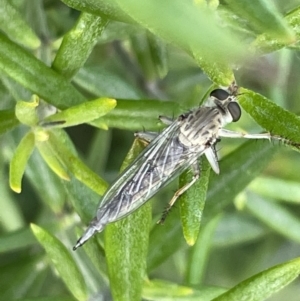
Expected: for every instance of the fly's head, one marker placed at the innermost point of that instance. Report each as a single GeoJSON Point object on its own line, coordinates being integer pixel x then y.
{"type": "Point", "coordinates": [227, 105]}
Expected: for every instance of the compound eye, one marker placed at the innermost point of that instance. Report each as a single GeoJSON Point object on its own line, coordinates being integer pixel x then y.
{"type": "Point", "coordinates": [234, 110]}
{"type": "Point", "coordinates": [220, 94]}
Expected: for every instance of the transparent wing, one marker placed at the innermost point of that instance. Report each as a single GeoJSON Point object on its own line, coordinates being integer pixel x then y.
{"type": "Point", "coordinates": [160, 162]}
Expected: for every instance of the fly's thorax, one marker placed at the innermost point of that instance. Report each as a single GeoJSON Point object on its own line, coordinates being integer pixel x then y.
{"type": "Point", "coordinates": [200, 127]}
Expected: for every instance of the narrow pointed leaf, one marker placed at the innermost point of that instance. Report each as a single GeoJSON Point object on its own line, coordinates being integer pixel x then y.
{"type": "Point", "coordinates": [161, 290]}
{"type": "Point", "coordinates": [126, 245]}
{"type": "Point", "coordinates": [270, 116]}
{"type": "Point", "coordinates": [264, 284]}
{"type": "Point", "coordinates": [108, 9]}
{"type": "Point", "coordinates": [19, 161]}
{"type": "Point", "coordinates": [192, 202]}
{"type": "Point", "coordinates": [279, 189]}
{"type": "Point", "coordinates": [18, 30]}
{"type": "Point", "coordinates": [212, 49]}
{"type": "Point", "coordinates": [136, 115]}
{"type": "Point", "coordinates": [63, 262]}
{"type": "Point", "coordinates": [170, 231]}
{"type": "Point", "coordinates": [252, 156]}
{"type": "Point", "coordinates": [265, 43]}
{"type": "Point", "coordinates": [78, 43]}
{"type": "Point", "coordinates": [174, 27]}
{"type": "Point", "coordinates": [74, 164]}
{"type": "Point", "coordinates": [275, 216]}
{"type": "Point", "coordinates": [236, 229]}
{"type": "Point", "coordinates": [199, 254]}
{"type": "Point", "coordinates": [26, 111]}
{"type": "Point", "coordinates": [16, 240]}
{"type": "Point", "coordinates": [158, 54]}
{"type": "Point", "coordinates": [50, 156]}
{"type": "Point", "coordinates": [219, 73]}
{"type": "Point", "coordinates": [82, 113]}
{"type": "Point", "coordinates": [34, 75]}
{"type": "Point", "coordinates": [263, 15]}
{"type": "Point", "coordinates": [99, 81]}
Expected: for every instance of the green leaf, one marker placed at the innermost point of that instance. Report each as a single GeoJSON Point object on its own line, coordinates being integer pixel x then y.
{"type": "Point", "coordinates": [62, 261]}
{"type": "Point", "coordinates": [264, 284]}
{"type": "Point", "coordinates": [19, 161]}
{"type": "Point", "coordinates": [74, 164]}
{"type": "Point", "coordinates": [18, 30]}
{"type": "Point", "coordinates": [11, 215]}
{"type": "Point", "coordinates": [265, 43]}
{"type": "Point", "coordinates": [18, 276]}
{"type": "Point", "coordinates": [49, 154]}
{"type": "Point", "coordinates": [161, 290]}
{"type": "Point", "coordinates": [99, 81]}
{"type": "Point", "coordinates": [46, 184]}
{"type": "Point", "coordinates": [16, 240]}
{"type": "Point", "coordinates": [213, 49]}
{"type": "Point", "coordinates": [158, 53]}
{"type": "Point", "coordinates": [26, 111]}
{"type": "Point", "coordinates": [235, 229]}
{"type": "Point", "coordinates": [150, 53]}
{"type": "Point", "coordinates": [252, 156]}
{"type": "Point", "coordinates": [219, 73]}
{"type": "Point", "coordinates": [275, 216]}
{"type": "Point", "coordinates": [279, 189]}
{"type": "Point", "coordinates": [78, 43]}
{"type": "Point", "coordinates": [192, 202]}
{"type": "Point", "coordinates": [107, 9]}
{"type": "Point", "coordinates": [126, 245]}
{"type": "Point", "coordinates": [82, 113]}
{"type": "Point", "coordinates": [263, 16]}
{"type": "Point", "coordinates": [55, 298]}
{"type": "Point", "coordinates": [174, 27]}
{"type": "Point", "coordinates": [170, 231]}
{"type": "Point", "coordinates": [84, 200]}
{"type": "Point", "coordinates": [270, 116]}
{"type": "Point", "coordinates": [199, 254]}
{"type": "Point", "coordinates": [8, 120]}
{"type": "Point", "coordinates": [137, 114]}
{"type": "Point", "coordinates": [34, 75]}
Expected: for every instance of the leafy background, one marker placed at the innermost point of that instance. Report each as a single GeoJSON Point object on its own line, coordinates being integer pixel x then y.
{"type": "Point", "coordinates": [154, 58]}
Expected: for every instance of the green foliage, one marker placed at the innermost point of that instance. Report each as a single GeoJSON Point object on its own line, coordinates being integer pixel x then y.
{"type": "Point", "coordinates": [115, 66]}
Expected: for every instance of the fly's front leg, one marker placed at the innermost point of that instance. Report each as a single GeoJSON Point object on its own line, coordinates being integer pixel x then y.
{"type": "Point", "coordinates": [180, 191]}
{"type": "Point", "coordinates": [268, 136]}
{"type": "Point", "coordinates": [232, 134]}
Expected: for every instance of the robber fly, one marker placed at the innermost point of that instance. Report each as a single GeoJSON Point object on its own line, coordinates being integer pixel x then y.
{"type": "Point", "coordinates": [177, 148]}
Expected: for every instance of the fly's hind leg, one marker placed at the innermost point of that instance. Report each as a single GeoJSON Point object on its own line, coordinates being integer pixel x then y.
{"type": "Point", "coordinates": [180, 191]}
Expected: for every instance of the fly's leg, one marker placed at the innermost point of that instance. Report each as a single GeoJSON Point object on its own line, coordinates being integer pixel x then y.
{"type": "Point", "coordinates": [146, 136]}
{"type": "Point", "coordinates": [180, 191]}
{"type": "Point", "coordinates": [166, 120]}
{"type": "Point", "coordinates": [149, 136]}
{"type": "Point", "coordinates": [268, 136]}
{"type": "Point", "coordinates": [212, 158]}
{"type": "Point", "coordinates": [232, 134]}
